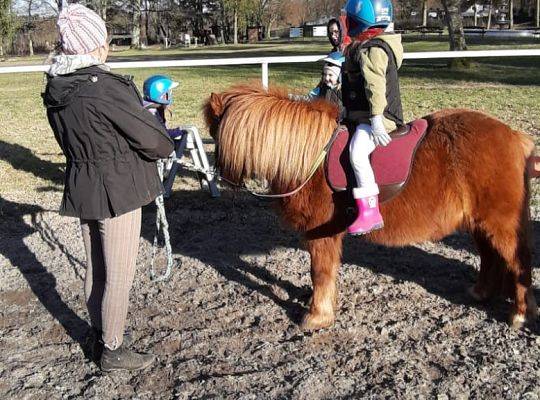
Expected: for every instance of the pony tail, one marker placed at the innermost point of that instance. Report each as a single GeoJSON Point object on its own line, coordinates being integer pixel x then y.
{"type": "Point", "coordinates": [527, 143]}
{"type": "Point", "coordinates": [529, 152]}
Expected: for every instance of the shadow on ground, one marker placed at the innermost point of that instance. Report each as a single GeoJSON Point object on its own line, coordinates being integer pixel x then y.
{"type": "Point", "coordinates": [14, 230]}
{"type": "Point", "coordinates": [220, 239]}
{"type": "Point", "coordinates": [24, 159]}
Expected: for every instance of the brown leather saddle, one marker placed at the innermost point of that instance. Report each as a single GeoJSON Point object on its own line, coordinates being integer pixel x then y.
{"type": "Point", "coordinates": [391, 164]}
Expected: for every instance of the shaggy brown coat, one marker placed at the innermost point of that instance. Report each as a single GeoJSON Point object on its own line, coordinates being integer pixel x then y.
{"type": "Point", "coordinates": [470, 173]}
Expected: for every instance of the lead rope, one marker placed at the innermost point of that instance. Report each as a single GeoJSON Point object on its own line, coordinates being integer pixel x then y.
{"type": "Point", "coordinates": [163, 225]}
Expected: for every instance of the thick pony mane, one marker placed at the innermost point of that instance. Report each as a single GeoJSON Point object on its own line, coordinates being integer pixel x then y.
{"type": "Point", "coordinates": [263, 134]}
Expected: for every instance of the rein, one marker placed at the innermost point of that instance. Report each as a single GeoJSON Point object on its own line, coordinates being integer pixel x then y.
{"type": "Point", "coordinates": [318, 161]}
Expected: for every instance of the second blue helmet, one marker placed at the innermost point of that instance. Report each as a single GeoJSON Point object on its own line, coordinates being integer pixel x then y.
{"type": "Point", "coordinates": [365, 14]}
{"type": "Point", "coordinates": [158, 89]}
{"type": "Point", "coordinates": [335, 58]}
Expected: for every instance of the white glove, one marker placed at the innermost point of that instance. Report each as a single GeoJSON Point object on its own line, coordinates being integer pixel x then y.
{"type": "Point", "coordinates": [380, 136]}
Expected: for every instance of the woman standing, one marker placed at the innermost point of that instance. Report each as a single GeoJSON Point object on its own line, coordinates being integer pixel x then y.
{"type": "Point", "coordinates": [111, 144]}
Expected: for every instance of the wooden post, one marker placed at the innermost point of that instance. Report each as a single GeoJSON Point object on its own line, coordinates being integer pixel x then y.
{"type": "Point", "coordinates": [265, 75]}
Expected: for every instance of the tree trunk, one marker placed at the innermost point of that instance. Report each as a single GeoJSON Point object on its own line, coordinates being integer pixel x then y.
{"type": "Point", "coordinates": [511, 14]}
{"type": "Point", "coordinates": [456, 36]}
{"type": "Point", "coordinates": [489, 15]}
{"type": "Point", "coordinates": [454, 24]}
{"type": "Point", "coordinates": [148, 29]}
{"type": "Point", "coordinates": [136, 27]}
{"type": "Point", "coordinates": [267, 31]}
{"type": "Point", "coordinates": [30, 46]}
{"type": "Point", "coordinates": [222, 35]}
{"type": "Point", "coordinates": [235, 26]}
{"type": "Point", "coordinates": [538, 13]}
{"type": "Point", "coordinates": [29, 29]}
{"type": "Point", "coordinates": [102, 9]}
{"type": "Point", "coordinates": [224, 26]}
{"type": "Point", "coordinates": [424, 13]}
{"type": "Point", "coordinates": [475, 15]}
{"type": "Point", "coordinates": [144, 18]}
{"type": "Point", "coordinates": [1, 47]}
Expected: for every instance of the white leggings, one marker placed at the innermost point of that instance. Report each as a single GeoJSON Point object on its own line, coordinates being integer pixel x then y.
{"type": "Point", "coordinates": [360, 147]}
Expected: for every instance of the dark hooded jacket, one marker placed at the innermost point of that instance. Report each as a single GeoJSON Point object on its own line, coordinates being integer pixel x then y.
{"type": "Point", "coordinates": [110, 142]}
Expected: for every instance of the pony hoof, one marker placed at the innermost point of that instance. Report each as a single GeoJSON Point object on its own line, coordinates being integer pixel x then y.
{"type": "Point", "coordinates": [313, 322]}
{"type": "Point", "coordinates": [478, 296]}
{"type": "Point", "coordinates": [517, 321]}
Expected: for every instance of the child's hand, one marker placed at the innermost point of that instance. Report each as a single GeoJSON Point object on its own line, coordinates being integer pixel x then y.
{"type": "Point", "coordinates": [380, 136]}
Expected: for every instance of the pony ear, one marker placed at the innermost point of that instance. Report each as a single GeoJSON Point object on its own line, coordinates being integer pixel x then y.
{"type": "Point", "coordinates": [216, 104]}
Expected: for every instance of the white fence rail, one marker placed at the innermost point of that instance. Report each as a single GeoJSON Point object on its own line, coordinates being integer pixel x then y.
{"type": "Point", "coordinates": [265, 61]}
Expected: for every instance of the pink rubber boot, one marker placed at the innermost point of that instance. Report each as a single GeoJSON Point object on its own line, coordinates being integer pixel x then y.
{"type": "Point", "coordinates": [369, 217]}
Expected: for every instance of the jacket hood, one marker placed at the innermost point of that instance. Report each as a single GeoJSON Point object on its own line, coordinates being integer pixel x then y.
{"type": "Point", "coordinates": [394, 41]}
{"type": "Point", "coordinates": [61, 89]}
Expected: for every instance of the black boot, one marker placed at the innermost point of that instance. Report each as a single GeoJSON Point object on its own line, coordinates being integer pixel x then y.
{"type": "Point", "coordinates": [125, 359]}
{"type": "Point", "coordinates": [95, 342]}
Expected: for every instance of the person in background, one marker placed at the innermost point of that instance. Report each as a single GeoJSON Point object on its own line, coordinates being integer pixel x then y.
{"type": "Point", "coordinates": [337, 34]}
{"type": "Point", "coordinates": [371, 97]}
{"type": "Point", "coordinates": [111, 144]}
{"type": "Point", "coordinates": [329, 88]}
{"type": "Point", "coordinates": [158, 96]}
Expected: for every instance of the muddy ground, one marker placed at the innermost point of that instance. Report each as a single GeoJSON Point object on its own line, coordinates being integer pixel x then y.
{"type": "Point", "coordinates": [226, 324]}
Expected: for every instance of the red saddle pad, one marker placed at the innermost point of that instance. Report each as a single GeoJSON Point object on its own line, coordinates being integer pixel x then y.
{"type": "Point", "coordinates": [391, 164]}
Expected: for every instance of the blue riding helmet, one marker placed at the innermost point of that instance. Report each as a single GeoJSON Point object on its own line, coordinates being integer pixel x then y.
{"type": "Point", "coordinates": [365, 14]}
{"type": "Point", "coordinates": [158, 89]}
{"type": "Point", "coordinates": [335, 58]}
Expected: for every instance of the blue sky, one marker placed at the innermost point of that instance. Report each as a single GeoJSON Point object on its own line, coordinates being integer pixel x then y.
{"type": "Point", "coordinates": [39, 7]}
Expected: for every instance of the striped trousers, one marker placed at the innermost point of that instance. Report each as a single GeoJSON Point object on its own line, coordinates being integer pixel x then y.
{"type": "Point", "coordinates": [111, 253]}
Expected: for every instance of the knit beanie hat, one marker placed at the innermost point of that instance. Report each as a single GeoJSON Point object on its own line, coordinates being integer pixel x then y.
{"type": "Point", "coordinates": [81, 29]}
{"type": "Point", "coordinates": [333, 69]}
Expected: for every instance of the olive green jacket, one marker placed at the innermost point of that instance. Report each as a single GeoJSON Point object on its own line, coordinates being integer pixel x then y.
{"type": "Point", "coordinates": [374, 64]}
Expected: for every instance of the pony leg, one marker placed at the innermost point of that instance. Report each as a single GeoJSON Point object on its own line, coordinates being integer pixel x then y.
{"type": "Point", "coordinates": [493, 269]}
{"type": "Point", "coordinates": [325, 260]}
{"type": "Point", "coordinates": [514, 248]}
{"type": "Point", "coordinates": [517, 281]}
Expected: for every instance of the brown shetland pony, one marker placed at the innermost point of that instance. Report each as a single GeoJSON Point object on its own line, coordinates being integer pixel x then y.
{"type": "Point", "coordinates": [470, 173]}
